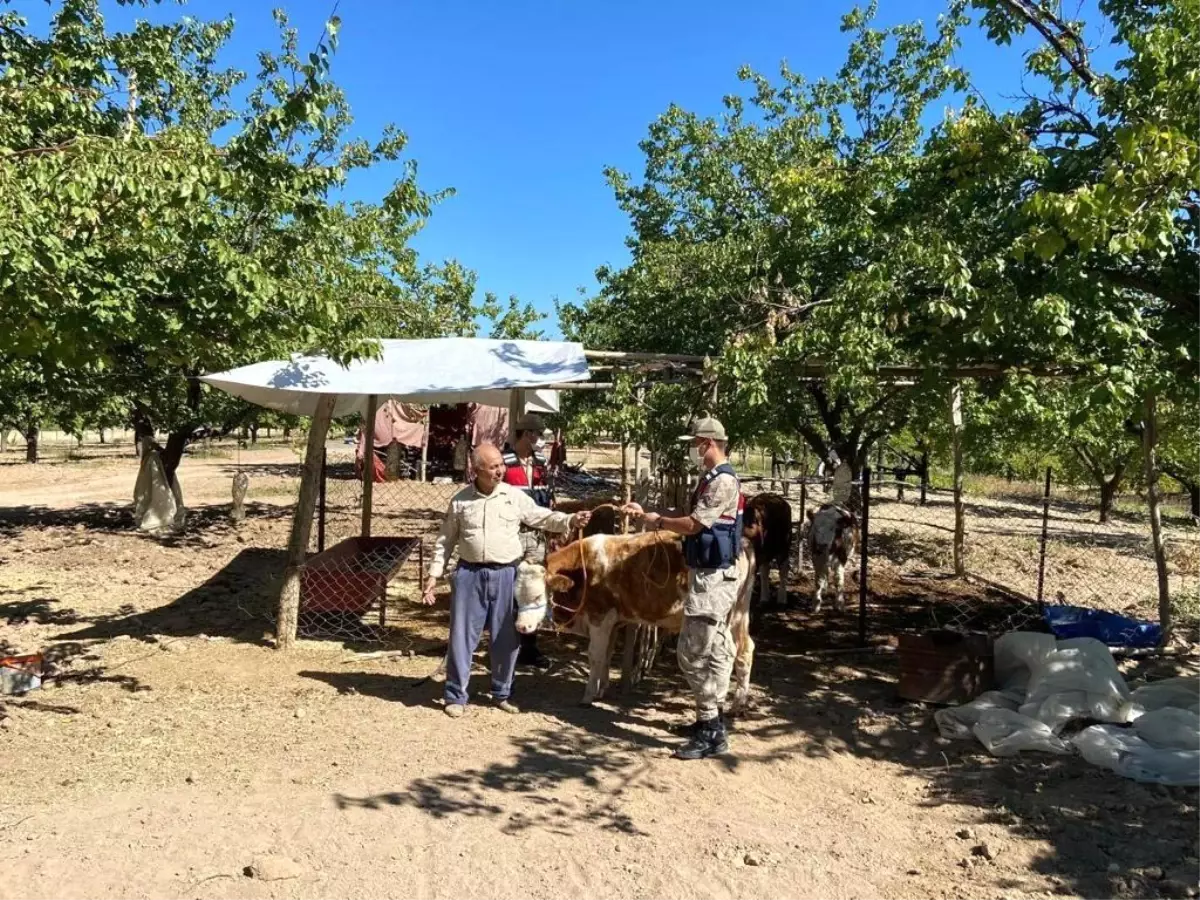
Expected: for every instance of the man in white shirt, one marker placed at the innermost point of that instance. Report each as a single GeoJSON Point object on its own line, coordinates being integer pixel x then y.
{"type": "Point", "coordinates": [483, 522]}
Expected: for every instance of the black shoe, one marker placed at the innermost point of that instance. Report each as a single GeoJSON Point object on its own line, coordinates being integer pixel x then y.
{"type": "Point", "coordinates": [708, 740]}
{"type": "Point", "coordinates": [532, 656]}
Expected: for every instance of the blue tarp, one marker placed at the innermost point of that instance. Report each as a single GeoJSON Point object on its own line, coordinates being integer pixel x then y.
{"type": "Point", "coordinates": [1111, 628]}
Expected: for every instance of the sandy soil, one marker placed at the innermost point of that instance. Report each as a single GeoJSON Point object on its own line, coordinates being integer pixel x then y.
{"type": "Point", "coordinates": [176, 748]}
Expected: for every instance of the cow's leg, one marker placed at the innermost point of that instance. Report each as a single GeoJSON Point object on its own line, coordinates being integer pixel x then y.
{"type": "Point", "coordinates": [839, 582]}
{"type": "Point", "coordinates": [784, 564]}
{"type": "Point", "coordinates": [764, 583]}
{"type": "Point", "coordinates": [600, 639]}
{"type": "Point", "coordinates": [821, 575]}
{"type": "Point", "coordinates": [742, 662]}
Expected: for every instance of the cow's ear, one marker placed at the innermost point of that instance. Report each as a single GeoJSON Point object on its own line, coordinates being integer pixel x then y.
{"type": "Point", "coordinates": [848, 520]}
{"type": "Point", "coordinates": [811, 512]}
{"type": "Point", "coordinates": [559, 583]}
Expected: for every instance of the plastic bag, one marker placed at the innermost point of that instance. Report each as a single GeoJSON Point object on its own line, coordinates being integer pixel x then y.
{"type": "Point", "coordinates": [1128, 754]}
{"type": "Point", "coordinates": [1181, 693]}
{"type": "Point", "coordinates": [1078, 680]}
{"type": "Point", "coordinates": [1006, 733]}
{"type": "Point", "coordinates": [1169, 728]}
{"type": "Point", "coordinates": [1015, 656]}
{"type": "Point", "coordinates": [956, 723]}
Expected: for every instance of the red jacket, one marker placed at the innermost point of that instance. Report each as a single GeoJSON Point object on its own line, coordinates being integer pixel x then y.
{"type": "Point", "coordinates": [514, 474]}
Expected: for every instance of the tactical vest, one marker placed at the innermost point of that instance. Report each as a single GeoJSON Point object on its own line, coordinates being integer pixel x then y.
{"type": "Point", "coordinates": [718, 546]}
{"type": "Point", "coordinates": [514, 474]}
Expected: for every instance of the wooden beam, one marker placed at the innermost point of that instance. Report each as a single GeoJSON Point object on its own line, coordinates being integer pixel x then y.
{"type": "Point", "coordinates": [819, 367]}
{"type": "Point", "coordinates": [288, 613]}
{"type": "Point", "coordinates": [577, 386]}
{"type": "Point", "coordinates": [368, 473]}
{"type": "Point", "coordinates": [643, 357]}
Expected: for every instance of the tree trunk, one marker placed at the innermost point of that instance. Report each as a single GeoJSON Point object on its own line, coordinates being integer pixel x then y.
{"type": "Point", "coordinates": [310, 484]}
{"type": "Point", "coordinates": [143, 432]}
{"type": "Point", "coordinates": [102, 435]}
{"type": "Point", "coordinates": [1108, 490]}
{"type": "Point", "coordinates": [32, 432]}
{"type": "Point", "coordinates": [287, 432]}
{"type": "Point", "coordinates": [1194, 492]}
{"type": "Point", "coordinates": [253, 432]}
{"type": "Point", "coordinates": [172, 453]}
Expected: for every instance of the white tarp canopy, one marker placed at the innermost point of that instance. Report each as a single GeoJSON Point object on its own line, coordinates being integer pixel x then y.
{"type": "Point", "coordinates": [433, 371]}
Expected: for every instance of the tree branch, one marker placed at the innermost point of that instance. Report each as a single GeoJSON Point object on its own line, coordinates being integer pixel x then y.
{"type": "Point", "coordinates": [1038, 18]}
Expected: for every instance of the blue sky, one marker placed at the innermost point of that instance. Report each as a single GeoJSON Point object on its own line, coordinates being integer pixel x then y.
{"type": "Point", "coordinates": [520, 105]}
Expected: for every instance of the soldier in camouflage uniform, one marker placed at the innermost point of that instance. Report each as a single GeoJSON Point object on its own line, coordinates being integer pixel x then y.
{"type": "Point", "coordinates": [712, 545]}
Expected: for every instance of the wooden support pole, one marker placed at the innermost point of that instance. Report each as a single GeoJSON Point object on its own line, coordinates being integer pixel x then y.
{"type": "Point", "coordinates": [1150, 452]}
{"type": "Point", "coordinates": [516, 409]}
{"type": "Point", "coordinates": [960, 525]}
{"type": "Point", "coordinates": [288, 613]}
{"type": "Point", "coordinates": [368, 473]}
{"type": "Point", "coordinates": [425, 443]}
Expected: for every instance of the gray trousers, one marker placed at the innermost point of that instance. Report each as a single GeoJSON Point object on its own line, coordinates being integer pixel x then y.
{"type": "Point", "coordinates": [483, 598]}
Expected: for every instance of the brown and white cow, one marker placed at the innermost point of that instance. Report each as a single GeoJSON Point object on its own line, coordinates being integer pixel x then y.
{"type": "Point", "coordinates": [593, 584]}
{"type": "Point", "coordinates": [830, 545]}
{"type": "Point", "coordinates": [767, 523]}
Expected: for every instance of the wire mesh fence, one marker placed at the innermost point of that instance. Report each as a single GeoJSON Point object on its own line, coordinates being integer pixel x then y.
{"type": "Point", "coordinates": [1023, 549]}
{"type": "Point", "coordinates": [1030, 548]}
{"type": "Point", "coordinates": [364, 589]}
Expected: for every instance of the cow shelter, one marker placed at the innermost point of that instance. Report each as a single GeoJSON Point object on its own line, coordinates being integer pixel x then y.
{"type": "Point", "coordinates": [381, 527]}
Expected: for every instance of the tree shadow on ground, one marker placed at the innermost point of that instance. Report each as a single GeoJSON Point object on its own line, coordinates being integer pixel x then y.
{"type": "Point", "coordinates": [231, 603]}
{"type": "Point", "coordinates": [1104, 833]}
{"type": "Point", "coordinates": [203, 522]}
{"type": "Point", "coordinates": [590, 747]}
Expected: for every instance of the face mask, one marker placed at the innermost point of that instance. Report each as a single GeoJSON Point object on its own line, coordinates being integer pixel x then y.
{"type": "Point", "coordinates": [695, 458]}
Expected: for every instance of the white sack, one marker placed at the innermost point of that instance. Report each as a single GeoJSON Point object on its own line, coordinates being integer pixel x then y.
{"type": "Point", "coordinates": [157, 506]}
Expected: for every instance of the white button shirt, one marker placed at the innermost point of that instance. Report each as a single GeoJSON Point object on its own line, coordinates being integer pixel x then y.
{"type": "Point", "coordinates": [486, 527]}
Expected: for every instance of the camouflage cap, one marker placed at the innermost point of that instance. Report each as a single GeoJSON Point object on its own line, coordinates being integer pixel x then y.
{"type": "Point", "coordinates": [705, 426]}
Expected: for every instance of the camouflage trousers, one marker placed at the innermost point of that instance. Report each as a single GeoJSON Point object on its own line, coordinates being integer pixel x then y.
{"type": "Point", "coordinates": [706, 650]}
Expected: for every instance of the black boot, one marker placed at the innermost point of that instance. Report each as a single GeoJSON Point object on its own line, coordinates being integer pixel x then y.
{"type": "Point", "coordinates": [708, 740]}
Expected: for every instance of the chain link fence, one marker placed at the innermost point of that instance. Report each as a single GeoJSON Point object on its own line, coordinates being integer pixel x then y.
{"type": "Point", "coordinates": [1026, 548]}
{"type": "Point", "coordinates": [364, 590]}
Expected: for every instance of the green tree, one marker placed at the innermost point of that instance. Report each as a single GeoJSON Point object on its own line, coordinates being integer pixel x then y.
{"type": "Point", "coordinates": [162, 216]}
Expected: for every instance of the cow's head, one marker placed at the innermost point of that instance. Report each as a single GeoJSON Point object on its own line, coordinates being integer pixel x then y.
{"type": "Point", "coordinates": [754, 526]}
{"type": "Point", "coordinates": [827, 527]}
{"type": "Point", "coordinates": [533, 604]}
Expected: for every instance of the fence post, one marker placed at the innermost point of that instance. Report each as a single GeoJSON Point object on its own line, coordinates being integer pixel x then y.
{"type": "Point", "coordinates": [1042, 548]}
{"type": "Point", "coordinates": [1153, 504]}
{"type": "Point", "coordinates": [368, 483]}
{"type": "Point", "coordinates": [321, 505]}
{"type": "Point", "coordinates": [864, 537]}
{"type": "Point", "coordinates": [799, 530]}
{"type": "Point", "coordinates": [924, 474]}
{"type": "Point", "coordinates": [960, 522]}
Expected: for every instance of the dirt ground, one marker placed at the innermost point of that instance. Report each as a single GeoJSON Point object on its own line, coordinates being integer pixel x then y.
{"type": "Point", "coordinates": [176, 747]}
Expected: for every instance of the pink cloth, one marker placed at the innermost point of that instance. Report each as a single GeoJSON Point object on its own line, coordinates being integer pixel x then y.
{"type": "Point", "coordinates": [403, 423]}
{"type": "Point", "coordinates": [488, 424]}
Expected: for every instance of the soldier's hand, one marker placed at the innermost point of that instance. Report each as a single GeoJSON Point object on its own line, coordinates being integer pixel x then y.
{"type": "Point", "coordinates": [581, 518]}
{"type": "Point", "coordinates": [633, 509]}
{"type": "Point", "coordinates": [427, 596]}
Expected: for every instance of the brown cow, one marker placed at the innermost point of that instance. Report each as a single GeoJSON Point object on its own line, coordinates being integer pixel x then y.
{"type": "Point", "coordinates": [767, 522]}
{"type": "Point", "coordinates": [600, 581]}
